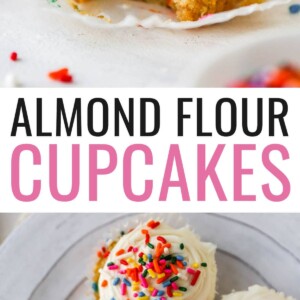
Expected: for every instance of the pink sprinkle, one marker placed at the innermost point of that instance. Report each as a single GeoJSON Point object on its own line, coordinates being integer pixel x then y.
{"type": "Point", "coordinates": [154, 293]}
{"type": "Point", "coordinates": [122, 271]}
{"type": "Point", "coordinates": [190, 271]}
{"type": "Point", "coordinates": [174, 286]}
{"type": "Point", "coordinates": [135, 249]}
{"type": "Point", "coordinates": [123, 289]}
{"type": "Point", "coordinates": [149, 265]}
{"type": "Point", "coordinates": [168, 271]}
{"type": "Point", "coordinates": [162, 261]}
{"type": "Point", "coordinates": [113, 267]}
{"type": "Point", "coordinates": [144, 281]}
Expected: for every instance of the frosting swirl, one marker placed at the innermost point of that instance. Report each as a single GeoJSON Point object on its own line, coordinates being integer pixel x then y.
{"type": "Point", "coordinates": [156, 261]}
{"type": "Point", "coordinates": [257, 292]}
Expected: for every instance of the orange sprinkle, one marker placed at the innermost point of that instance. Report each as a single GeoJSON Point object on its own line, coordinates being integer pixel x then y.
{"type": "Point", "coordinates": [61, 75]}
{"type": "Point", "coordinates": [104, 283]}
{"type": "Point", "coordinates": [56, 75]}
{"type": "Point", "coordinates": [120, 252]}
{"type": "Point", "coordinates": [159, 250]}
{"type": "Point", "coordinates": [105, 255]}
{"type": "Point", "coordinates": [150, 223]}
{"type": "Point", "coordinates": [174, 269]}
{"type": "Point", "coordinates": [179, 264]}
{"type": "Point", "coordinates": [156, 266]}
{"type": "Point", "coordinates": [162, 279]}
{"type": "Point", "coordinates": [168, 245]}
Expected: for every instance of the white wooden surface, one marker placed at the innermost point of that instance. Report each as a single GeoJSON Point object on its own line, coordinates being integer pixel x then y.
{"type": "Point", "coordinates": [120, 57]}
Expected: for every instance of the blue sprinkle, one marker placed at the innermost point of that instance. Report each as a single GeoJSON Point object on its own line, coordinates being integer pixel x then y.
{"type": "Point", "coordinates": [160, 293]}
{"type": "Point", "coordinates": [127, 282]}
{"type": "Point", "coordinates": [294, 8]}
{"type": "Point", "coordinates": [116, 281]}
{"type": "Point", "coordinates": [166, 283]}
{"type": "Point", "coordinates": [179, 257]}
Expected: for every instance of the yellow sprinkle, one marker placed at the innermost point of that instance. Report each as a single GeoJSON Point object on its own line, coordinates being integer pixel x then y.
{"type": "Point", "coordinates": [195, 265]}
{"type": "Point", "coordinates": [161, 275]}
{"type": "Point", "coordinates": [151, 273]}
{"type": "Point", "coordinates": [150, 289]}
{"type": "Point", "coordinates": [177, 294]}
{"type": "Point", "coordinates": [145, 258]}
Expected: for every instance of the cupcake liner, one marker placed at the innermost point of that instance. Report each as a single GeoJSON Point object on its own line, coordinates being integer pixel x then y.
{"type": "Point", "coordinates": [114, 234]}
{"type": "Point", "coordinates": [126, 13]}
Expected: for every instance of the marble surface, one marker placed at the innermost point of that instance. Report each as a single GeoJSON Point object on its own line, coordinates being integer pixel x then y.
{"type": "Point", "coordinates": [128, 57]}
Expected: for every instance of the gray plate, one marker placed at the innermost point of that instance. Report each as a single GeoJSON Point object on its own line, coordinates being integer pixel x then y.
{"type": "Point", "coordinates": [50, 256]}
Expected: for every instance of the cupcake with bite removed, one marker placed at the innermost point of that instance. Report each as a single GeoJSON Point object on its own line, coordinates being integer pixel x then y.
{"type": "Point", "coordinates": [186, 10]}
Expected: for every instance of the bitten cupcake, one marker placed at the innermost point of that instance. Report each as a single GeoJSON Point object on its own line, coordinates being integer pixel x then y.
{"type": "Point", "coordinates": [185, 10]}
{"type": "Point", "coordinates": [257, 292]}
{"type": "Point", "coordinates": [156, 261]}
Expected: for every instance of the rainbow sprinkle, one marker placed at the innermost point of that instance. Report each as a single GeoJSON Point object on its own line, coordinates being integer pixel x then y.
{"type": "Point", "coordinates": [282, 76]}
{"type": "Point", "coordinates": [155, 275]}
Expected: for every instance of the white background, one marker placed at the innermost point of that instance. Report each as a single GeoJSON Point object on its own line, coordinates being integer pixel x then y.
{"type": "Point", "coordinates": [111, 195]}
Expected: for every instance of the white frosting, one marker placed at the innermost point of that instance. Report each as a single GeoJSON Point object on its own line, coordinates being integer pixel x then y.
{"type": "Point", "coordinates": [257, 292]}
{"type": "Point", "coordinates": [194, 251]}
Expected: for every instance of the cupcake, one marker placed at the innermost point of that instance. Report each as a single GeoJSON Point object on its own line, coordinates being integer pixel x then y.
{"type": "Point", "coordinates": [257, 292]}
{"type": "Point", "coordinates": [186, 10]}
{"type": "Point", "coordinates": [156, 261]}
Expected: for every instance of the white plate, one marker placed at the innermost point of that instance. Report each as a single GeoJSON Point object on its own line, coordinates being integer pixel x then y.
{"type": "Point", "coordinates": [127, 13]}
{"type": "Point", "coordinates": [249, 59]}
{"type": "Point", "coordinates": [49, 257]}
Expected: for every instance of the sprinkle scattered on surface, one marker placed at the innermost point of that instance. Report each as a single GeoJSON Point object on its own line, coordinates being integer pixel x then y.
{"type": "Point", "coordinates": [61, 75]}
{"type": "Point", "coordinates": [294, 9]}
{"type": "Point", "coordinates": [14, 56]}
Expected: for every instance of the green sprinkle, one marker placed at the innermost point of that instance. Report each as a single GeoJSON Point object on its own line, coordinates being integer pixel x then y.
{"type": "Point", "coordinates": [95, 287]}
{"type": "Point", "coordinates": [182, 288]}
{"type": "Point", "coordinates": [204, 265]}
{"type": "Point", "coordinates": [141, 261]}
{"type": "Point", "coordinates": [110, 264]}
{"type": "Point", "coordinates": [181, 246]}
{"type": "Point", "coordinates": [145, 273]}
{"type": "Point", "coordinates": [173, 279]}
{"type": "Point", "coordinates": [150, 245]}
{"type": "Point", "coordinates": [173, 260]}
